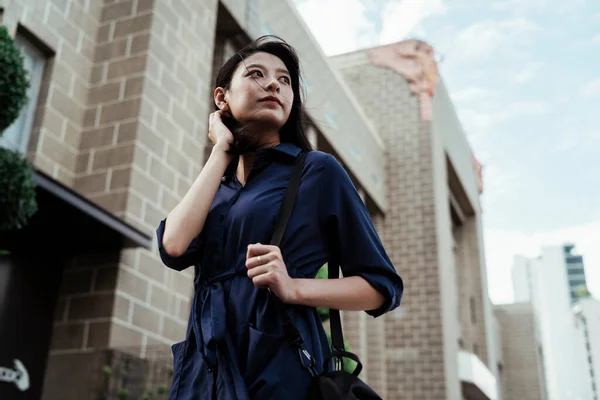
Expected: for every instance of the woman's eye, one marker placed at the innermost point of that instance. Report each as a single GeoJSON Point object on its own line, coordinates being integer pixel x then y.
{"type": "Point", "coordinates": [286, 80]}
{"type": "Point", "coordinates": [256, 73]}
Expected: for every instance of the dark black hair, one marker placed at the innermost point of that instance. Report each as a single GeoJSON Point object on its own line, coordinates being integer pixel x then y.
{"type": "Point", "coordinates": [294, 130]}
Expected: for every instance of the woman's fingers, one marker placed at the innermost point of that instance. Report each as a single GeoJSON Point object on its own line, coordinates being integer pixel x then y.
{"type": "Point", "coordinates": [263, 281]}
{"type": "Point", "coordinates": [263, 269]}
{"type": "Point", "coordinates": [260, 249]}
{"type": "Point", "coordinates": [259, 260]}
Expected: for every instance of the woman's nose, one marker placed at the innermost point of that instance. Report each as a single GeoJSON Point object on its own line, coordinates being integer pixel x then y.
{"type": "Point", "coordinates": [273, 86]}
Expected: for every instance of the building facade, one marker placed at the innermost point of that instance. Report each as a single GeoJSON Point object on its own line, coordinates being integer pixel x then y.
{"type": "Point", "coordinates": [522, 372]}
{"type": "Point", "coordinates": [587, 316]}
{"type": "Point", "coordinates": [574, 267]}
{"type": "Point", "coordinates": [546, 283]}
{"type": "Point", "coordinates": [118, 120]}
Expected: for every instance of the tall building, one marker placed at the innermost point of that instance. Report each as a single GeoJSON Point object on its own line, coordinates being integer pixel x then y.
{"type": "Point", "coordinates": [587, 314]}
{"type": "Point", "coordinates": [548, 287]}
{"type": "Point", "coordinates": [522, 279]}
{"type": "Point", "coordinates": [574, 268]}
{"type": "Point", "coordinates": [116, 129]}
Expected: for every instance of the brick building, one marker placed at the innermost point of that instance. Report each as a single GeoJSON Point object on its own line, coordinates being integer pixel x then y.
{"type": "Point", "coordinates": [522, 359]}
{"type": "Point", "coordinates": [117, 127]}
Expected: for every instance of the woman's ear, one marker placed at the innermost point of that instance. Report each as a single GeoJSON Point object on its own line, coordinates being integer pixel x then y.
{"type": "Point", "coordinates": [220, 100]}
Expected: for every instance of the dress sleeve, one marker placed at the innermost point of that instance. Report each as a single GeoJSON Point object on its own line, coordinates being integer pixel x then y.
{"type": "Point", "coordinates": [352, 238]}
{"type": "Point", "coordinates": [190, 257]}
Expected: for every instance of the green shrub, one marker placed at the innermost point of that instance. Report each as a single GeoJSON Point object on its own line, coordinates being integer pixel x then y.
{"type": "Point", "coordinates": [17, 185]}
{"type": "Point", "coordinates": [17, 190]}
{"type": "Point", "coordinates": [13, 80]}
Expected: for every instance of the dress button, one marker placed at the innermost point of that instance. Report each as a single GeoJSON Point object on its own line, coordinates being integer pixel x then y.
{"type": "Point", "coordinates": [223, 179]}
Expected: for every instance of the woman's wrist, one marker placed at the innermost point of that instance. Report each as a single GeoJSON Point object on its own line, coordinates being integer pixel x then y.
{"type": "Point", "coordinates": [221, 147]}
{"type": "Point", "coordinates": [295, 292]}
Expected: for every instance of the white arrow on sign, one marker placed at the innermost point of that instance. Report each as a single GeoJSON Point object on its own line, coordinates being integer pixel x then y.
{"type": "Point", "coordinates": [18, 376]}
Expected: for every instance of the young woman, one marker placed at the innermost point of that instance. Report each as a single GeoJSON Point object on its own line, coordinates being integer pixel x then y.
{"type": "Point", "coordinates": [235, 347]}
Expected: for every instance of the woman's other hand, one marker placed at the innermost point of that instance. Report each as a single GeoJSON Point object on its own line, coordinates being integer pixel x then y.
{"type": "Point", "coordinates": [267, 270]}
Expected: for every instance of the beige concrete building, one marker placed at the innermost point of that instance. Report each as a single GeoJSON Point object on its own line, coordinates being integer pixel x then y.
{"type": "Point", "coordinates": [522, 372]}
{"type": "Point", "coordinates": [117, 130]}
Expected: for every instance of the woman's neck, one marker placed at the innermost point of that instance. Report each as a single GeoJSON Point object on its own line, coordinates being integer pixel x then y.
{"type": "Point", "coordinates": [246, 161]}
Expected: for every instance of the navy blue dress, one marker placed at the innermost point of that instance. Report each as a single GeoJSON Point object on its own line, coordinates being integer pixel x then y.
{"type": "Point", "coordinates": [235, 346]}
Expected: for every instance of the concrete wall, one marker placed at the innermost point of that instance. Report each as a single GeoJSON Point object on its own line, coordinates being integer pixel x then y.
{"type": "Point", "coordinates": [588, 327]}
{"type": "Point", "coordinates": [477, 313]}
{"type": "Point", "coordinates": [448, 127]}
{"type": "Point", "coordinates": [521, 279]}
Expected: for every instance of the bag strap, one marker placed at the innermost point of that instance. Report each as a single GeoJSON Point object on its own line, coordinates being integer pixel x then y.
{"type": "Point", "coordinates": [292, 334]}
{"type": "Point", "coordinates": [288, 201]}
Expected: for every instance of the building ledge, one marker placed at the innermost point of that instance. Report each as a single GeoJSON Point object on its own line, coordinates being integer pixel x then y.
{"type": "Point", "coordinates": [67, 222]}
{"type": "Point", "coordinates": [478, 382]}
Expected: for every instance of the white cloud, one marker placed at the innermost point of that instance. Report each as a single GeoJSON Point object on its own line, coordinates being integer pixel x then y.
{"type": "Point", "coordinates": [340, 26]}
{"type": "Point", "coordinates": [591, 88]}
{"type": "Point", "coordinates": [502, 246]}
{"type": "Point", "coordinates": [486, 115]}
{"type": "Point", "coordinates": [488, 38]}
{"type": "Point", "coordinates": [520, 5]}
{"type": "Point", "coordinates": [596, 39]}
{"type": "Point", "coordinates": [400, 17]}
{"type": "Point", "coordinates": [527, 73]}
{"type": "Point", "coordinates": [472, 94]}
{"type": "Point", "coordinates": [525, 6]}
{"type": "Point", "coordinates": [580, 134]}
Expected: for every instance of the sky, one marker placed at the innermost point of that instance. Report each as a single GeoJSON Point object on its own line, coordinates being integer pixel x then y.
{"type": "Point", "coordinates": [524, 77]}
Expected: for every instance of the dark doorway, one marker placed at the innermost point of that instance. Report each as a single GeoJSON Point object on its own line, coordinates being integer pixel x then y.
{"type": "Point", "coordinates": [28, 292]}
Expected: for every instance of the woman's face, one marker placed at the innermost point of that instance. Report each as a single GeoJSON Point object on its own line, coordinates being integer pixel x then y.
{"type": "Point", "coordinates": [260, 92]}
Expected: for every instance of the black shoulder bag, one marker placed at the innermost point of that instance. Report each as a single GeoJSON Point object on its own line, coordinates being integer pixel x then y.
{"type": "Point", "coordinates": [330, 385]}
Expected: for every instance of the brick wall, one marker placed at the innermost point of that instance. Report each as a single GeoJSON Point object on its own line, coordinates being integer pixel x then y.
{"type": "Point", "coordinates": [65, 30]}
{"type": "Point", "coordinates": [122, 119]}
{"type": "Point", "coordinates": [152, 302]}
{"type": "Point", "coordinates": [414, 335]}
{"type": "Point", "coordinates": [520, 376]}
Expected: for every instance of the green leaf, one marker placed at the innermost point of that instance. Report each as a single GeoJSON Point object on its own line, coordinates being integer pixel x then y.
{"type": "Point", "coordinates": [349, 365]}
{"type": "Point", "coordinates": [323, 312]}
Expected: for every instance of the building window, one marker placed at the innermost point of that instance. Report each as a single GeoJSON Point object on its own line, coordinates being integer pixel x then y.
{"type": "Point", "coordinates": [16, 136]}
{"type": "Point", "coordinates": [573, 272]}
{"type": "Point", "coordinates": [472, 307]}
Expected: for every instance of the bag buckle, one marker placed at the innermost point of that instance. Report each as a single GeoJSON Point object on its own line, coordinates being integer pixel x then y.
{"type": "Point", "coordinates": [310, 364]}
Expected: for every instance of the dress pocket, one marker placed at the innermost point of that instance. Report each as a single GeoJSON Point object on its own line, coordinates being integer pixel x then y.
{"type": "Point", "coordinates": [178, 350]}
{"type": "Point", "coordinates": [262, 348]}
